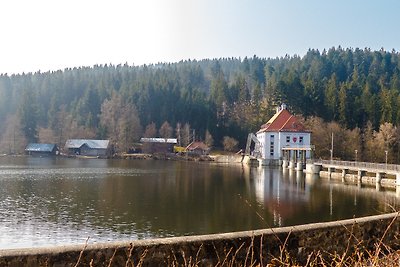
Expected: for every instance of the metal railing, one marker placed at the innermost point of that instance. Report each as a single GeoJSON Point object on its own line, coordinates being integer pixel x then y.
{"type": "Point", "coordinates": [358, 165]}
{"type": "Point", "coordinates": [307, 147]}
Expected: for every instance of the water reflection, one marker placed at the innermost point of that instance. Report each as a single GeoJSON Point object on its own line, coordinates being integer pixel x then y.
{"type": "Point", "coordinates": [280, 194]}
{"type": "Point", "coordinates": [58, 201]}
{"type": "Point", "coordinates": [289, 196]}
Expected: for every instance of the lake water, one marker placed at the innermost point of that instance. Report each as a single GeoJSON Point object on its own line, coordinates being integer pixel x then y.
{"type": "Point", "coordinates": [46, 201]}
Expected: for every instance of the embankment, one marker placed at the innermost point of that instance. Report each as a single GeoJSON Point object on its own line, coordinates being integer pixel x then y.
{"type": "Point", "coordinates": [242, 248]}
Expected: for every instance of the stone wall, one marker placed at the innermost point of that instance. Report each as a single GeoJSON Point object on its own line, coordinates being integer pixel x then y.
{"type": "Point", "coordinates": [230, 249]}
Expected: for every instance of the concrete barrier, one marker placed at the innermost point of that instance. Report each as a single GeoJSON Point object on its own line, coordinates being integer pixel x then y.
{"type": "Point", "coordinates": [229, 158]}
{"type": "Point", "coordinates": [355, 178]}
{"type": "Point", "coordinates": [241, 248]}
{"type": "Point", "coordinates": [312, 168]}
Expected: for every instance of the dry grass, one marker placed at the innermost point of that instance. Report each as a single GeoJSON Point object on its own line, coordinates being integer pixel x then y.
{"type": "Point", "coordinates": [255, 253]}
{"type": "Point", "coordinates": [381, 256]}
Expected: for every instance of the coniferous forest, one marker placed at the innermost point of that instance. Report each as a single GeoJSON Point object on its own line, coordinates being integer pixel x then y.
{"type": "Point", "coordinates": [352, 93]}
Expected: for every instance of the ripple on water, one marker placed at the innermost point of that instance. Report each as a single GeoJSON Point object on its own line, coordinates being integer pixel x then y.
{"type": "Point", "coordinates": [59, 204]}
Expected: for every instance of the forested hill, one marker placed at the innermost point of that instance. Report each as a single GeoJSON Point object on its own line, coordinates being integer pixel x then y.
{"type": "Point", "coordinates": [220, 97]}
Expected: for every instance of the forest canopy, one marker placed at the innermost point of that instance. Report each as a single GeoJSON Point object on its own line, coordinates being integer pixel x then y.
{"type": "Point", "coordinates": [357, 89]}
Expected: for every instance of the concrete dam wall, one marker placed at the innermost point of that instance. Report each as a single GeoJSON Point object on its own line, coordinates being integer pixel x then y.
{"type": "Point", "coordinates": [240, 248]}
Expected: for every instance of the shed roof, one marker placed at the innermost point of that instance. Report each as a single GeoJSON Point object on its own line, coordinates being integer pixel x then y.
{"type": "Point", "coordinates": [36, 147]}
{"type": "Point", "coordinates": [158, 140]}
{"type": "Point", "coordinates": [95, 144]}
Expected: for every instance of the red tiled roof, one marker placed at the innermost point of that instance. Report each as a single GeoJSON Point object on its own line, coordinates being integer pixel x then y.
{"type": "Point", "coordinates": [283, 121]}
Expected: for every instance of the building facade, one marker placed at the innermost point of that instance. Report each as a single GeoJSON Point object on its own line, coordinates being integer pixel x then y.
{"type": "Point", "coordinates": [36, 149]}
{"type": "Point", "coordinates": [283, 137]}
{"type": "Point", "coordinates": [88, 147]}
{"type": "Point", "coordinates": [158, 145]}
{"type": "Point", "coordinates": [197, 148]}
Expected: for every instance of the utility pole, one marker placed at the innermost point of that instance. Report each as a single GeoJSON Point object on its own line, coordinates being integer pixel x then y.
{"type": "Point", "coordinates": [14, 141]}
{"type": "Point", "coordinates": [332, 147]}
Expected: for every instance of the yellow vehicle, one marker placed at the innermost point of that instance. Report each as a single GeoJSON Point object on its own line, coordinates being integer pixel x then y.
{"type": "Point", "coordinates": [179, 149]}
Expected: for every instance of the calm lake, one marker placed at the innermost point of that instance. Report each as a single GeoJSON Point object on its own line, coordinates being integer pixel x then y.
{"type": "Point", "coordinates": [46, 201]}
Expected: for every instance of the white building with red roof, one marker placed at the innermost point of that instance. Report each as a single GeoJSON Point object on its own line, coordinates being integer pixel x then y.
{"type": "Point", "coordinates": [283, 137]}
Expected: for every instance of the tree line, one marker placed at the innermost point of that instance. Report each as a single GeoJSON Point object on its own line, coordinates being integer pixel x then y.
{"type": "Point", "coordinates": [355, 91]}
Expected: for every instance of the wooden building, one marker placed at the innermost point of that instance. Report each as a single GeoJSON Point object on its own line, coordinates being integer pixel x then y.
{"type": "Point", "coordinates": [158, 145]}
{"type": "Point", "coordinates": [36, 149]}
{"type": "Point", "coordinates": [197, 148]}
{"type": "Point", "coordinates": [88, 147]}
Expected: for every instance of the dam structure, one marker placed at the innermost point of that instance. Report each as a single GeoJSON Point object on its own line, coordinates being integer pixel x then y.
{"type": "Point", "coordinates": [378, 173]}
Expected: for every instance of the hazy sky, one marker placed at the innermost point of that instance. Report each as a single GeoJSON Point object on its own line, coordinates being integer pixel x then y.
{"type": "Point", "coordinates": [55, 34]}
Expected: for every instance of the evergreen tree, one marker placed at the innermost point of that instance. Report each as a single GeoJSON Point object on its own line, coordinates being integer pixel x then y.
{"type": "Point", "coordinates": [331, 98]}
{"type": "Point", "coordinates": [28, 114]}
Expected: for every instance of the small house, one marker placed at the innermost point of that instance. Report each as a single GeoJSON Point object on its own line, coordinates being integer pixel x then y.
{"type": "Point", "coordinates": [158, 145]}
{"type": "Point", "coordinates": [197, 148]}
{"type": "Point", "coordinates": [36, 149]}
{"type": "Point", "coordinates": [87, 147]}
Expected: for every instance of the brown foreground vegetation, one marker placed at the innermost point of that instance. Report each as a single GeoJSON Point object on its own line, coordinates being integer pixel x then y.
{"type": "Point", "coordinates": [355, 251]}
{"type": "Point", "coordinates": [367, 241]}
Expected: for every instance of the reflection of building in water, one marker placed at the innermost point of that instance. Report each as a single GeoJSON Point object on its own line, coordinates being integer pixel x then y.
{"type": "Point", "coordinates": [278, 194]}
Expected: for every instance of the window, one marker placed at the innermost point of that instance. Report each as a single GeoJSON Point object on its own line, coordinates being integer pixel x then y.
{"type": "Point", "coordinates": [271, 146]}
{"type": "Point", "coordinates": [287, 139]}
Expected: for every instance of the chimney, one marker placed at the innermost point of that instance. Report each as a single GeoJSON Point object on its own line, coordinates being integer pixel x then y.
{"type": "Point", "coordinates": [281, 107]}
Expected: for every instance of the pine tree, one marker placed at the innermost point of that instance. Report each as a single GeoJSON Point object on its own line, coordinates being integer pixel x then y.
{"type": "Point", "coordinates": [28, 114]}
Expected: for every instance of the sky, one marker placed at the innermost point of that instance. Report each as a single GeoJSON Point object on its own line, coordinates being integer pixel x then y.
{"type": "Point", "coordinates": [49, 35]}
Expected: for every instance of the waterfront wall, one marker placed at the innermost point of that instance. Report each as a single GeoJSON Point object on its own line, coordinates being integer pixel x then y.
{"type": "Point", "coordinates": [240, 248]}
{"type": "Point", "coordinates": [353, 178]}
{"type": "Point", "coordinates": [228, 158]}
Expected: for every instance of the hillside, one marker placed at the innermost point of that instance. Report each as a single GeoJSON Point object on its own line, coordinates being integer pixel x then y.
{"type": "Point", "coordinates": [359, 89]}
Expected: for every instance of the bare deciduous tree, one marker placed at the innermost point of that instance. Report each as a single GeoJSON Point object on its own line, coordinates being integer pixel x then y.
{"type": "Point", "coordinates": [209, 140]}
{"type": "Point", "coordinates": [166, 131]}
{"type": "Point", "coordinates": [230, 143]}
{"type": "Point", "coordinates": [384, 141]}
{"type": "Point", "coordinates": [178, 132]}
{"type": "Point", "coordinates": [151, 130]}
{"type": "Point", "coordinates": [121, 121]}
{"type": "Point", "coordinates": [13, 140]}
{"type": "Point", "coordinates": [186, 137]}
{"type": "Point", "coordinates": [345, 142]}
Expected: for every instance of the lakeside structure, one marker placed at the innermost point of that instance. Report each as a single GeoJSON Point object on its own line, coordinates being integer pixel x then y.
{"type": "Point", "coordinates": [282, 140]}
{"type": "Point", "coordinates": [153, 145]}
{"type": "Point", "coordinates": [197, 148]}
{"type": "Point", "coordinates": [36, 149]}
{"type": "Point", "coordinates": [88, 147]}
{"type": "Point", "coordinates": [380, 174]}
